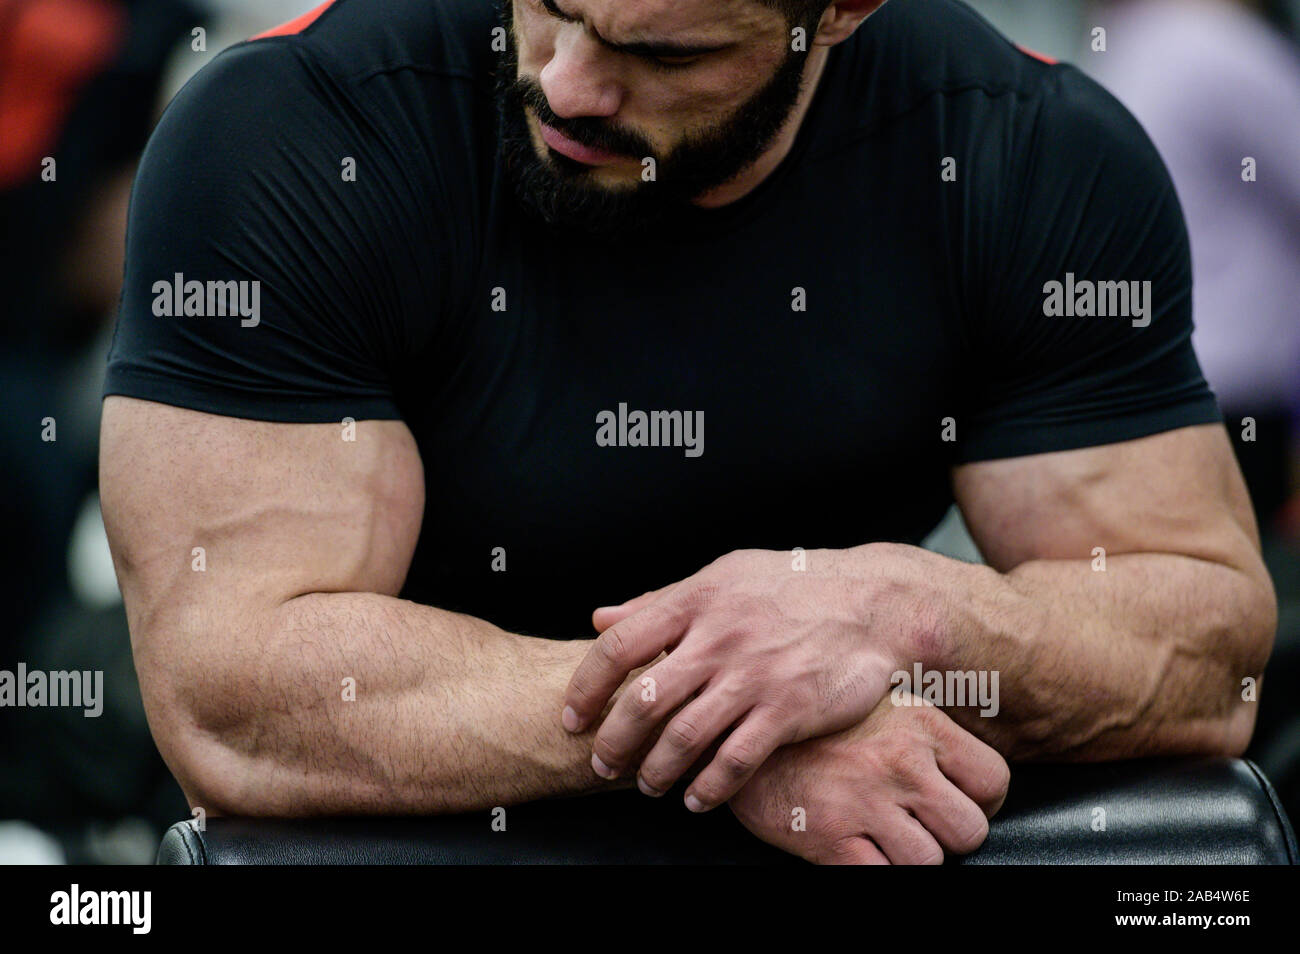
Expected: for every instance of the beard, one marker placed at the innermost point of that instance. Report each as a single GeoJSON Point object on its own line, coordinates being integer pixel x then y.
{"type": "Point", "coordinates": [563, 193]}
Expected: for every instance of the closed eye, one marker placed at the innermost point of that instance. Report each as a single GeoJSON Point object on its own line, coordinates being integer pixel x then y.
{"type": "Point", "coordinates": [556, 12]}
{"type": "Point", "coordinates": [661, 56]}
{"type": "Point", "coordinates": [672, 62]}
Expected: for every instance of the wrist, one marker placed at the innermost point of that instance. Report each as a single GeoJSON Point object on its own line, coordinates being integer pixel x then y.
{"type": "Point", "coordinates": [921, 604]}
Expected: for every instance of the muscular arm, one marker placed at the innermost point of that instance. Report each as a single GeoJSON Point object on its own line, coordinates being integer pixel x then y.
{"type": "Point", "coordinates": [1147, 656]}
{"type": "Point", "coordinates": [1150, 655]}
{"type": "Point", "coordinates": [306, 540]}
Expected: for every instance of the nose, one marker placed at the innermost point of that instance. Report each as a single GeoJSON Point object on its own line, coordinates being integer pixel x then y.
{"type": "Point", "coordinates": [578, 80]}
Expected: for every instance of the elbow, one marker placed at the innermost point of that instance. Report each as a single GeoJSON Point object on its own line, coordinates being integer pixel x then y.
{"type": "Point", "coordinates": [1233, 658]}
{"type": "Point", "coordinates": [1261, 628]}
{"type": "Point", "coordinates": [1252, 645]}
{"type": "Point", "coordinates": [205, 704]}
{"type": "Point", "coordinates": [208, 766]}
{"type": "Point", "coordinates": [203, 742]}
{"type": "Point", "coordinates": [206, 786]}
{"type": "Point", "coordinates": [1235, 732]}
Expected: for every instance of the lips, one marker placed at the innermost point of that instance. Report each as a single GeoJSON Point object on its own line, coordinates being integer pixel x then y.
{"type": "Point", "coordinates": [576, 150]}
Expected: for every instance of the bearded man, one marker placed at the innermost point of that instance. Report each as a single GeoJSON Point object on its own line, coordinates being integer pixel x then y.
{"type": "Point", "coordinates": [361, 541]}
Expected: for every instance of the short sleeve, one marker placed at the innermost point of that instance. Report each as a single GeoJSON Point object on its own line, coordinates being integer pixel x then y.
{"type": "Point", "coordinates": [262, 280]}
{"type": "Point", "coordinates": [1081, 330]}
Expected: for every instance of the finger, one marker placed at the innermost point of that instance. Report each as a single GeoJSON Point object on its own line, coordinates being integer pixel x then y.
{"type": "Point", "coordinates": [973, 766]}
{"type": "Point", "coordinates": [852, 851]}
{"type": "Point", "coordinates": [687, 736]}
{"type": "Point", "coordinates": [614, 654]}
{"type": "Point", "coordinates": [606, 616]}
{"type": "Point", "coordinates": [955, 821]}
{"type": "Point", "coordinates": [646, 703]}
{"type": "Point", "coordinates": [740, 756]}
{"type": "Point", "coordinates": [904, 840]}
{"type": "Point", "coordinates": [808, 843]}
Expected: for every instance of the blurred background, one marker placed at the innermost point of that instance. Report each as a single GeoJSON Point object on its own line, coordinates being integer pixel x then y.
{"type": "Point", "coordinates": [83, 81]}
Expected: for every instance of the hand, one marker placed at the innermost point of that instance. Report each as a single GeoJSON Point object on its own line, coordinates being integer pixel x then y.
{"type": "Point", "coordinates": [774, 654]}
{"type": "Point", "coordinates": [898, 788]}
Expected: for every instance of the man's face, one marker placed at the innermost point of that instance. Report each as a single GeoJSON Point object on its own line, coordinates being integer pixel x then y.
{"type": "Point", "coordinates": [617, 112]}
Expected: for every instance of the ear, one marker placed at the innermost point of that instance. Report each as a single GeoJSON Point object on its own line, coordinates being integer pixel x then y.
{"type": "Point", "coordinates": [841, 18]}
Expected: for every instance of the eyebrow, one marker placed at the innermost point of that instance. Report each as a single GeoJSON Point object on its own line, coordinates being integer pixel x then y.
{"type": "Point", "coordinates": [665, 48]}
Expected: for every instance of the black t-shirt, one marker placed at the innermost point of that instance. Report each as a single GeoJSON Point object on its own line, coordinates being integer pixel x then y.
{"type": "Point", "coordinates": [849, 331]}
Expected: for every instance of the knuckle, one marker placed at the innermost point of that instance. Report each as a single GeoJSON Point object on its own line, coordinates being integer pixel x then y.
{"type": "Point", "coordinates": [996, 781]}
{"type": "Point", "coordinates": [842, 850]}
{"type": "Point", "coordinates": [653, 776]}
{"type": "Point", "coordinates": [580, 689]}
{"type": "Point", "coordinates": [728, 639]}
{"type": "Point", "coordinates": [782, 712]}
{"type": "Point", "coordinates": [740, 757]}
{"type": "Point", "coordinates": [736, 765]}
{"type": "Point", "coordinates": [906, 764]}
{"type": "Point", "coordinates": [612, 645]}
{"type": "Point", "coordinates": [914, 845]}
{"type": "Point", "coordinates": [609, 756]}
{"type": "Point", "coordinates": [730, 558]}
{"type": "Point", "coordinates": [1000, 779]}
{"type": "Point", "coordinates": [700, 594]}
{"type": "Point", "coordinates": [928, 718]}
{"type": "Point", "coordinates": [973, 837]}
{"type": "Point", "coordinates": [682, 734]}
{"type": "Point", "coordinates": [606, 750]}
{"type": "Point", "coordinates": [931, 854]}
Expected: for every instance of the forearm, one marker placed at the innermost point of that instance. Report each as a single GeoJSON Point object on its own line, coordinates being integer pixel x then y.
{"type": "Point", "coordinates": [446, 713]}
{"type": "Point", "coordinates": [1147, 657]}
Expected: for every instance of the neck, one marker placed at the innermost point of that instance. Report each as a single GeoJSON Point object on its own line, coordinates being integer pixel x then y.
{"type": "Point", "coordinates": [754, 174]}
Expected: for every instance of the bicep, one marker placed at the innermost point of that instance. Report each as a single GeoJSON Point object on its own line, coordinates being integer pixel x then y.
{"type": "Point", "coordinates": [1176, 492]}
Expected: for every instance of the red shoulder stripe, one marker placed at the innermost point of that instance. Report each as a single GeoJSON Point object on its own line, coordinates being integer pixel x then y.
{"type": "Point", "coordinates": [298, 24]}
{"type": "Point", "coordinates": [1036, 55]}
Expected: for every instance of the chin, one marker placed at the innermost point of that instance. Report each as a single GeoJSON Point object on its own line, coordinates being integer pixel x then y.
{"type": "Point", "coordinates": [613, 180]}
{"type": "Point", "coordinates": [608, 178]}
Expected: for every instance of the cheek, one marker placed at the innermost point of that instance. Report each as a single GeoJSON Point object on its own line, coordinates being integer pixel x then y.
{"type": "Point", "coordinates": [714, 95]}
{"type": "Point", "coordinates": [535, 34]}
{"type": "Point", "coordinates": [695, 105]}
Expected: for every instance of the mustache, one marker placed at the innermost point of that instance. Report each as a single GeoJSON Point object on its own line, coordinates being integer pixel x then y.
{"type": "Point", "coordinates": [593, 133]}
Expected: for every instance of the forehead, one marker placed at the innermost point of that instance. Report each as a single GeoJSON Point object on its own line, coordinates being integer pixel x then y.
{"type": "Point", "coordinates": [630, 20]}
